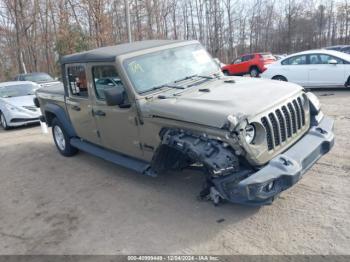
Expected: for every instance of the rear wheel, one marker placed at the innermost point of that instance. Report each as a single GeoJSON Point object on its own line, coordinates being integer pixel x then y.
{"type": "Point", "coordinates": [280, 78]}
{"type": "Point", "coordinates": [61, 139]}
{"type": "Point", "coordinates": [254, 72]}
{"type": "Point", "coordinates": [226, 73]}
{"type": "Point", "coordinates": [3, 121]}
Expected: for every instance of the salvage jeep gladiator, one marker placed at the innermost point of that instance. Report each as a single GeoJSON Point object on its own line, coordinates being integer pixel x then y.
{"type": "Point", "coordinates": [154, 106]}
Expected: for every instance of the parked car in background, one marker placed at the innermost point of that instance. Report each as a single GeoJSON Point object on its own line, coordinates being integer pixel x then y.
{"type": "Point", "coordinates": [41, 78]}
{"type": "Point", "coordinates": [252, 64]}
{"type": "Point", "coordinates": [16, 104]}
{"type": "Point", "coordinates": [314, 68]}
{"type": "Point", "coordinates": [340, 48]}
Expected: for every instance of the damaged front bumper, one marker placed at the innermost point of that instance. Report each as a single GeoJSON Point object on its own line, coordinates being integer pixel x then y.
{"type": "Point", "coordinates": [281, 172]}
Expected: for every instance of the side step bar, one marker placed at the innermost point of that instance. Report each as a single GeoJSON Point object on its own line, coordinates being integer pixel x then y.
{"type": "Point", "coordinates": [116, 158]}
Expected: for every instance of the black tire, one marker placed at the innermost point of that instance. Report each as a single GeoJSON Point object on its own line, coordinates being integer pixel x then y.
{"type": "Point", "coordinates": [254, 72]}
{"type": "Point", "coordinates": [347, 83]}
{"type": "Point", "coordinates": [226, 73]}
{"type": "Point", "coordinates": [3, 122]}
{"type": "Point", "coordinates": [61, 139]}
{"type": "Point", "coordinates": [280, 78]}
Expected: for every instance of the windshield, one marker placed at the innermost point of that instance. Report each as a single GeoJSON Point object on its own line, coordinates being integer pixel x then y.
{"type": "Point", "coordinates": [40, 77]}
{"type": "Point", "coordinates": [167, 66]}
{"type": "Point", "coordinates": [17, 90]}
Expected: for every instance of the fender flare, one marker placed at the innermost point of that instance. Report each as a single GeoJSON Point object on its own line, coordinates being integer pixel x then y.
{"type": "Point", "coordinates": [62, 116]}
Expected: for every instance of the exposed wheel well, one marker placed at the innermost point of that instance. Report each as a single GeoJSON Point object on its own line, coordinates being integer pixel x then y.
{"type": "Point", "coordinates": [168, 158]}
{"type": "Point", "coordinates": [180, 149]}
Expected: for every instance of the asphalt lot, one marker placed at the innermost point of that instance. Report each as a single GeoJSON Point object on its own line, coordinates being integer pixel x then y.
{"type": "Point", "coordinates": [83, 205]}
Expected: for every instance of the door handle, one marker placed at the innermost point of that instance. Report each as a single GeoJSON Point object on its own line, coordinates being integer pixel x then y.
{"type": "Point", "coordinates": [76, 108]}
{"type": "Point", "coordinates": [98, 113]}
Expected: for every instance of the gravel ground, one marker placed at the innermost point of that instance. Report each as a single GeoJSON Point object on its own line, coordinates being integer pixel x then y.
{"type": "Point", "coordinates": [83, 205]}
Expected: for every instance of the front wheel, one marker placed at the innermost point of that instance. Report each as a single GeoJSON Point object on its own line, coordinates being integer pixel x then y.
{"type": "Point", "coordinates": [280, 78]}
{"type": "Point", "coordinates": [3, 121]}
{"type": "Point", "coordinates": [226, 73]}
{"type": "Point", "coordinates": [347, 83]}
{"type": "Point", "coordinates": [61, 139]}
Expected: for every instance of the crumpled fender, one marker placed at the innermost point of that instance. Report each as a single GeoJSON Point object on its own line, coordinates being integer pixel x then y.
{"type": "Point", "coordinates": [215, 157]}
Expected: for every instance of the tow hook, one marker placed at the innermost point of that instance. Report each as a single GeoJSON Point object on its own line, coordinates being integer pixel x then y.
{"type": "Point", "coordinates": [321, 130]}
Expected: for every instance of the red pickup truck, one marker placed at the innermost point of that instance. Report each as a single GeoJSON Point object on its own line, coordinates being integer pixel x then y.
{"type": "Point", "coordinates": [252, 64]}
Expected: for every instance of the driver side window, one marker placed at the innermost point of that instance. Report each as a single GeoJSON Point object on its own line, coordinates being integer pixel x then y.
{"type": "Point", "coordinates": [105, 77]}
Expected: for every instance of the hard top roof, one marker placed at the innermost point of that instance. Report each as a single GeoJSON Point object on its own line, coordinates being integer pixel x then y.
{"type": "Point", "coordinates": [109, 53]}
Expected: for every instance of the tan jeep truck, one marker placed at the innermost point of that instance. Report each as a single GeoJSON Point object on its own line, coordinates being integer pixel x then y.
{"type": "Point", "coordinates": [154, 106]}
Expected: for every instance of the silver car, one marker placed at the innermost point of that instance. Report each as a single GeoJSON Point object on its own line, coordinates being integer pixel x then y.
{"type": "Point", "coordinates": [16, 104]}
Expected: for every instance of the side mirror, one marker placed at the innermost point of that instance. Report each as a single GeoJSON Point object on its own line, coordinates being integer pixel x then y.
{"type": "Point", "coordinates": [114, 96]}
{"type": "Point", "coordinates": [332, 62]}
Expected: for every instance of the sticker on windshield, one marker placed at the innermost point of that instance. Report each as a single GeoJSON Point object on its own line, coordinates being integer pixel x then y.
{"type": "Point", "coordinates": [201, 56]}
{"type": "Point", "coordinates": [136, 67]}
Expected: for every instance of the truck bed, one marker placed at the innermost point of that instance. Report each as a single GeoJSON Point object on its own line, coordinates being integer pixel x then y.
{"type": "Point", "coordinates": [57, 89]}
{"type": "Point", "coordinates": [54, 94]}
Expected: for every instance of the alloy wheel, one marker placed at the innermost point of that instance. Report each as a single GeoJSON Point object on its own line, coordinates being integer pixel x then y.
{"type": "Point", "coordinates": [59, 137]}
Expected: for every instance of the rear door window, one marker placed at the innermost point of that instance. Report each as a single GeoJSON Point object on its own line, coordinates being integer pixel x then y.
{"type": "Point", "coordinates": [295, 60]}
{"type": "Point", "coordinates": [77, 82]}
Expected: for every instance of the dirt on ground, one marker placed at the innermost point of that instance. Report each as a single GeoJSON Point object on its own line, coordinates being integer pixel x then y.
{"type": "Point", "coordinates": [50, 204]}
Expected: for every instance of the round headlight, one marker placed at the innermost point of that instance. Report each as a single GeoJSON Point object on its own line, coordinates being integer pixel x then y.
{"type": "Point", "coordinates": [249, 133]}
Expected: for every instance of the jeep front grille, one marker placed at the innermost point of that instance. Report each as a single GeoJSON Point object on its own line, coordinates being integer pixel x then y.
{"type": "Point", "coordinates": [284, 122]}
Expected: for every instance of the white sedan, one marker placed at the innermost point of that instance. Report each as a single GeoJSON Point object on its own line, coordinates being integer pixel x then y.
{"type": "Point", "coordinates": [314, 68]}
{"type": "Point", "coordinates": [16, 104]}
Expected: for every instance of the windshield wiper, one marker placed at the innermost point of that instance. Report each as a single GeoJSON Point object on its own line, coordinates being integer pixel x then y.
{"type": "Point", "coordinates": [192, 76]}
{"type": "Point", "coordinates": [176, 81]}
{"type": "Point", "coordinates": [162, 86]}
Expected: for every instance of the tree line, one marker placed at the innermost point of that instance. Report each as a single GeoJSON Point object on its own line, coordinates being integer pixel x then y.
{"type": "Point", "coordinates": [34, 34]}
